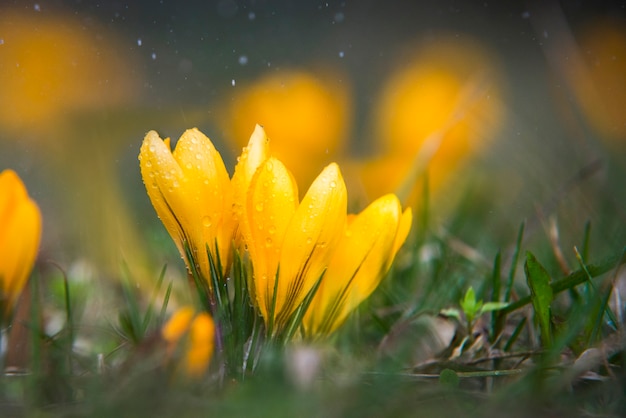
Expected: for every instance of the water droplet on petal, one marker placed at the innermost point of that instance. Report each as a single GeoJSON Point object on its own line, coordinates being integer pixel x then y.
{"type": "Point", "coordinates": [259, 207]}
{"type": "Point", "coordinates": [206, 221]}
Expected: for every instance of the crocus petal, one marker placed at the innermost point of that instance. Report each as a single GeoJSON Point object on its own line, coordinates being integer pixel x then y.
{"type": "Point", "coordinates": [207, 195]}
{"type": "Point", "coordinates": [191, 192]}
{"type": "Point", "coordinates": [201, 342]}
{"type": "Point", "coordinates": [310, 240]}
{"type": "Point", "coordinates": [20, 233]}
{"type": "Point", "coordinates": [252, 156]}
{"type": "Point", "coordinates": [358, 265]}
{"type": "Point", "coordinates": [197, 347]}
{"type": "Point", "coordinates": [270, 206]}
{"type": "Point", "coordinates": [177, 325]}
{"type": "Point", "coordinates": [160, 172]}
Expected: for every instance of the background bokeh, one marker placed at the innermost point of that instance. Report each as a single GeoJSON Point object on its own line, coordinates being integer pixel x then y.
{"type": "Point", "coordinates": [515, 109]}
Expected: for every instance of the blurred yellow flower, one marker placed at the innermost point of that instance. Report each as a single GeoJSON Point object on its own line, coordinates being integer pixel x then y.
{"type": "Point", "coordinates": [197, 347]}
{"type": "Point", "coordinates": [434, 113]}
{"type": "Point", "coordinates": [20, 233]}
{"type": "Point", "coordinates": [192, 194]}
{"type": "Point", "coordinates": [307, 117]}
{"type": "Point", "coordinates": [51, 66]}
{"type": "Point", "coordinates": [601, 89]}
{"type": "Point", "coordinates": [362, 258]}
{"type": "Point", "coordinates": [290, 243]}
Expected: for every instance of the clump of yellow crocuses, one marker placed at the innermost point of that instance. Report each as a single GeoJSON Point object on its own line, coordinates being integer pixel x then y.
{"type": "Point", "coordinates": [294, 248]}
{"type": "Point", "coordinates": [20, 233]}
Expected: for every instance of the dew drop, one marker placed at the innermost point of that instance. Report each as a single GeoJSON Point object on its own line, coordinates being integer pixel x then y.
{"type": "Point", "coordinates": [268, 242]}
{"type": "Point", "coordinates": [309, 240]}
{"type": "Point", "coordinates": [148, 164]}
{"type": "Point", "coordinates": [272, 229]}
{"type": "Point", "coordinates": [333, 184]}
{"type": "Point", "coordinates": [152, 148]}
{"type": "Point", "coordinates": [259, 207]}
{"type": "Point", "coordinates": [269, 166]}
{"type": "Point", "coordinates": [206, 221]}
{"type": "Point", "coordinates": [198, 156]}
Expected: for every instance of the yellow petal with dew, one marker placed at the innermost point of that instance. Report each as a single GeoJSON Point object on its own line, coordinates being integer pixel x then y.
{"type": "Point", "coordinates": [20, 235]}
{"type": "Point", "coordinates": [191, 192]}
{"type": "Point", "coordinates": [252, 156]}
{"type": "Point", "coordinates": [160, 171]}
{"type": "Point", "coordinates": [311, 237]}
{"type": "Point", "coordinates": [270, 206]}
{"type": "Point", "coordinates": [360, 262]}
{"type": "Point", "coordinates": [207, 197]}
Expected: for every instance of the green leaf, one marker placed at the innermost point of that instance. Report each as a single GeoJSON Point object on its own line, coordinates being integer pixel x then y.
{"type": "Point", "coordinates": [451, 313]}
{"type": "Point", "coordinates": [576, 278]}
{"type": "Point", "coordinates": [541, 295]}
{"type": "Point", "coordinates": [492, 306]}
{"type": "Point", "coordinates": [470, 306]}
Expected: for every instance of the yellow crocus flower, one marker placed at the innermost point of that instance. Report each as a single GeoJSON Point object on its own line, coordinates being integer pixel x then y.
{"type": "Point", "coordinates": [199, 345]}
{"type": "Point", "coordinates": [192, 194]}
{"type": "Point", "coordinates": [20, 233]}
{"type": "Point", "coordinates": [290, 244]}
{"type": "Point", "coordinates": [362, 258]}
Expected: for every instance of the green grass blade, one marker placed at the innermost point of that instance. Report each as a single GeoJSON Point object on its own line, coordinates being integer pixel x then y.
{"type": "Point", "coordinates": [574, 279]}
{"type": "Point", "coordinates": [148, 316]}
{"type": "Point", "coordinates": [541, 296]}
{"type": "Point", "coordinates": [166, 299]}
{"type": "Point", "coordinates": [516, 333]}
{"type": "Point", "coordinates": [509, 282]}
{"type": "Point", "coordinates": [497, 319]}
